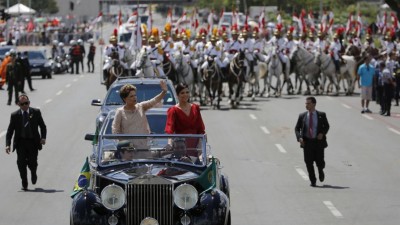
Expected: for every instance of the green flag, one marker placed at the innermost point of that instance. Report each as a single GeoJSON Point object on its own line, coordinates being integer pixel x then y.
{"type": "Point", "coordinates": [85, 171]}
{"type": "Point", "coordinates": [208, 179]}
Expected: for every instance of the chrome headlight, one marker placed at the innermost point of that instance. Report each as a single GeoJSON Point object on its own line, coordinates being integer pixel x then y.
{"type": "Point", "coordinates": [186, 196]}
{"type": "Point", "coordinates": [113, 197]}
{"type": "Point", "coordinates": [149, 221]}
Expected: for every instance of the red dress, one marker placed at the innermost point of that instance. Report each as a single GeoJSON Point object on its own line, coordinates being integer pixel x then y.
{"type": "Point", "coordinates": [179, 123]}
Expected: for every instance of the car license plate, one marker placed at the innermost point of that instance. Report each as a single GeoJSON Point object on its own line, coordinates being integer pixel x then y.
{"type": "Point", "coordinates": [34, 70]}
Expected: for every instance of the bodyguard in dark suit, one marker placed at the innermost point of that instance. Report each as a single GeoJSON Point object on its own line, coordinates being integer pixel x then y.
{"type": "Point", "coordinates": [24, 125]}
{"type": "Point", "coordinates": [311, 129]}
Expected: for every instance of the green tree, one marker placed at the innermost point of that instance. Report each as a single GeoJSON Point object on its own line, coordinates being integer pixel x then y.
{"type": "Point", "coordinates": [41, 6]}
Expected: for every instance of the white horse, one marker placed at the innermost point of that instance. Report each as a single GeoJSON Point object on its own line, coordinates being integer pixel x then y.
{"type": "Point", "coordinates": [185, 71]}
{"type": "Point", "coordinates": [306, 68]}
{"type": "Point", "coordinates": [274, 69]}
{"type": "Point", "coordinates": [347, 71]}
{"type": "Point", "coordinates": [143, 65]}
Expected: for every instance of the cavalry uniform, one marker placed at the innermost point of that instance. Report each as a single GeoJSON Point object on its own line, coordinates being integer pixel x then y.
{"type": "Point", "coordinates": [335, 49]}
{"type": "Point", "coordinates": [155, 56]}
{"type": "Point", "coordinates": [232, 47]}
{"type": "Point", "coordinates": [167, 45]}
{"type": "Point", "coordinates": [213, 51]}
{"type": "Point", "coordinates": [258, 49]}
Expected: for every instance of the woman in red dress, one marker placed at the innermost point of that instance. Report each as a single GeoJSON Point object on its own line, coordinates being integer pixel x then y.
{"type": "Point", "coordinates": [184, 117]}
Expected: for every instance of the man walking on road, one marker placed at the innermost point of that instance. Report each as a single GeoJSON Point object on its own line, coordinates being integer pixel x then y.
{"type": "Point", "coordinates": [311, 129]}
{"type": "Point", "coordinates": [365, 76]}
{"type": "Point", "coordinates": [24, 125]}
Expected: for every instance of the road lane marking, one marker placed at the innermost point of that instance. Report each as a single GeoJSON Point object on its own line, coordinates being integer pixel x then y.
{"type": "Point", "coordinates": [81, 75]}
{"type": "Point", "coordinates": [368, 117]}
{"type": "Point", "coordinates": [75, 80]}
{"type": "Point", "coordinates": [2, 133]}
{"type": "Point", "coordinates": [302, 174]}
{"type": "Point", "coordinates": [48, 101]}
{"type": "Point", "coordinates": [59, 93]}
{"type": "Point", "coordinates": [265, 130]}
{"type": "Point", "coordinates": [68, 85]}
{"type": "Point", "coordinates": [346, 106]}
{"type": "Point", "coordinates": [333, 209]}
{"type": "Point", "coordinates": [280, 148]}
{"type": "Point", "coordinates": [253, 116]}
{"type": "Point", "coordinates": [394, 130]}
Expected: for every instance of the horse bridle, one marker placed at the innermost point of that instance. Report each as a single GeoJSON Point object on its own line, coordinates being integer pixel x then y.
{"type": "Point", "coordinates": [236, 62]}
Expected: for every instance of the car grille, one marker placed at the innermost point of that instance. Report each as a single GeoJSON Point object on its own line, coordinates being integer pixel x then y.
{"type": "Point", "coordinates": [149, 200]}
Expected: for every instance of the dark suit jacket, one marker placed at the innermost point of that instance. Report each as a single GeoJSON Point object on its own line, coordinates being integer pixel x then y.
{"type": "Point", "coordinates": [322, 127]}
{"type": "Point", "coordinates": [15, 128]}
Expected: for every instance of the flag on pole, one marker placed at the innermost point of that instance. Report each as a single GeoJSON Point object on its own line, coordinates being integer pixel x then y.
{"type": "Point", "coordinates": [395, 22]}
{"type": "Point", "coordinates": [359, 25]}
{"type": "Point", "coordinates": [261, 20]}
{"type": "Point", "coordinates": [349, 23]}
{"type": "Point", "coordinates": [85, 171]}
{"type": "Point", "coordinates": [119, 18]}
{"type": "Point", "coordinates": [311, 19]}
{"type": "Point", "coordinates": [194, 20]}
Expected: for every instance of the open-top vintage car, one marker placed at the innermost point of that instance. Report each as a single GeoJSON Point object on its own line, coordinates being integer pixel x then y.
{"type": "Point", "coordinates": [155, 179]}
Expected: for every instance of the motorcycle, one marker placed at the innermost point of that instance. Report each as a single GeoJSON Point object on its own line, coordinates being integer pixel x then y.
{"type": "Point", "coordinates": [61, 65]}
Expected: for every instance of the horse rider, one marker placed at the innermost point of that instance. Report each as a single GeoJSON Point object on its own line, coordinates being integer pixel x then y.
{"type": "Point", "coordinates": [369, 42]}
{"type": "Point", "coordinates": [258, 47]}
{"type": "Point", "coordinates": [110, 52]}
{"type": "Point", "coordinates": [199, 52]}
{"type": "Point", "coordinates": [155, 55]}
{"type": "Point", "coordinates": [247, 47]}
{"type": "Point", "coordinates": [232, 47]}
{"type": "Point", "coordinates": [310, 44]}
{"type": "Point", "coordinates": [290, 44]}
{"type": "Point", "coordinates": [188, 52]}
{"type": "Point", "coordinates": [389, 44]}
{"type": "Point", "coordinates": [335, 48]}
{"type": "Point", "coordinates": [212, 51]}
{"type": "Point", "coordinates": [167, 45]}
{"type": "Point", "coordinates": [303, 40]}
{"type": "Point", "coordinates": [280, 43]}
{"type": "Point", "coordinates": [321, 44]}
{"type": "Point", "coordinates": [355, 40]}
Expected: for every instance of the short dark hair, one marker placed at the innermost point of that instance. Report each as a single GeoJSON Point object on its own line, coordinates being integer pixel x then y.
{"type": "Point", "coordinates": [180, 87]}
{"type": "Point", "coordinates": [312, 99]}
{"type": "Point", "coordinates": [23, 96]}
{"type": "Point", "coordinates": [124, 91]}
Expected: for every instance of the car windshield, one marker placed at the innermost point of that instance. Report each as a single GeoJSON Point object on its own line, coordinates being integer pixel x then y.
{"type": "Point", "coordinates": [156, 122]}
{"type": "Point", "coordinates": [35, 55]}
{"type": "Point", "coordinates": [3, 51]}
{"type": "Point", "coordinates": [143, 92]}
{"type": "Point", "coordinates": [120, 149]}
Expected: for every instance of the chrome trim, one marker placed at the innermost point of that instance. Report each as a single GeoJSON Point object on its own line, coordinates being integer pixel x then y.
{"type": "Point", "coordinates": [149, 200]}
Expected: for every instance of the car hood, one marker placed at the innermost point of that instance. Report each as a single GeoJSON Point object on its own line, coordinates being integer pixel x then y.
{"type": "Point", "coordinates": [37, 61]}
{"type": "Point", "coordinates": [169, 172]}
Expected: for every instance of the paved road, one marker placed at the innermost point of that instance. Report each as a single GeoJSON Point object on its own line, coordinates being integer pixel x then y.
{"type": "Point", "coordinates": [255, 143]}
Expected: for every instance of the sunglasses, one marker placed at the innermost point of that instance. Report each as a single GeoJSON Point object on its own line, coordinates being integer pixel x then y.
{"type": "Point", "coordinates": [24, 103]}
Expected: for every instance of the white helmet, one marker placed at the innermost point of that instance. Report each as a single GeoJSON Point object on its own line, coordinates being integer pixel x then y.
{"type": "Point", "coordinates": [55, 42]}
{"type": "Point", "coordinates": [72, 42]}
{"type": "Point", "coordinates": [60, 44]}
{"type": "Point", "coordinates": [7, 54]}
{"type": "Point", "coordinates": [80, 41]}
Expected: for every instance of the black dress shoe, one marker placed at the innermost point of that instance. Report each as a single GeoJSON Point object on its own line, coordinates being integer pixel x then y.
{"type": "Point", "coordinates": [8, 103]}
{"type": "Point", "coordinates": [321, 176]}
{"type": "Point", "coordinates": [24, 188]}
{"type": "Point", "coordinates": [313, 184]}
{"type": "Point", "coordinates": [33, 89]}
{"type": "Point", "coordinates": [34, 179]}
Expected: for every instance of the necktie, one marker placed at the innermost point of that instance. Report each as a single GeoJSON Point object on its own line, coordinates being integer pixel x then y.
{"type": "Point", "coordinates": [310, 125]}
{"type": "Point", "coordinates": [26, 119]}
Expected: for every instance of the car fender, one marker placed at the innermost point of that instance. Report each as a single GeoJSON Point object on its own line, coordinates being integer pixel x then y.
{"type": "Point", "coordinates": [87, 209]}
{"type": "Point", "coordinates": [215, 208]}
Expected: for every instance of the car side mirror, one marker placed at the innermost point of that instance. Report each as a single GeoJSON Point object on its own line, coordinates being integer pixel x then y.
{"type": "Point", "coordinates": [89, 137]}
{"type": "Point", "coordinates": [96, 102]}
